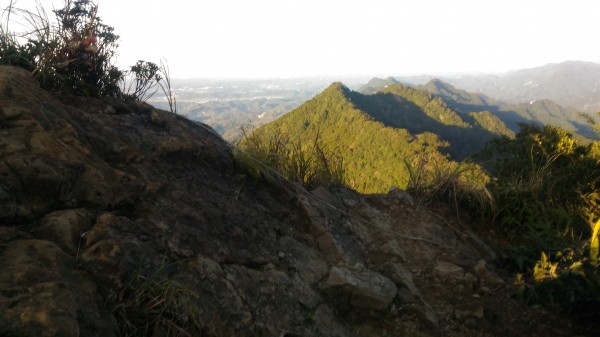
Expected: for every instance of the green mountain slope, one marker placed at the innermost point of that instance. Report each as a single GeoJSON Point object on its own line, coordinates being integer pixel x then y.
{"type": "Point", "coordinates": [541, 112]}
{"type": "Point", "coordinates": [376, 136]}
{"type": "Point", "coordinates": [373, 154]}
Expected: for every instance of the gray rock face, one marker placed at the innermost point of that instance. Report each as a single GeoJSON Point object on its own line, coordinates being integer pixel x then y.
{"type": "Point", "coordinates": [365, 289]}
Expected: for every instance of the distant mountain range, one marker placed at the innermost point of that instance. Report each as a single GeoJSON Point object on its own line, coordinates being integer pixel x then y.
{"type": "Point", "coordinates": [573, 84]}
{"type": "Point", "coordinates": [552, 94]}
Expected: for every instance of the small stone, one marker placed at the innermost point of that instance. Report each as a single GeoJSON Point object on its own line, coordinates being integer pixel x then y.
{"type": "Point", "coordinates": [331, 250]}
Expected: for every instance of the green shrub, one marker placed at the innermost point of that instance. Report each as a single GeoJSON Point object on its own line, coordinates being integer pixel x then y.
{"type": "Point", "coordinates": [545, 185]}
{"type": "Point", "coordinates": [547, 205]}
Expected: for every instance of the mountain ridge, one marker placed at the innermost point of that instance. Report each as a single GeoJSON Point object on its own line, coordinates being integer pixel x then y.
{"type": "Point", "coordinates": [380, 137]}
{"type": "Point", "coordinates": [573, 84]}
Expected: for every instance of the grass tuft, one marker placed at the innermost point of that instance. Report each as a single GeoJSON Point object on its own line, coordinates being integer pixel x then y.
{"type": "Point", "coordinates": [312, 164]}
{"type": "Point", "coordinates": [153, 302]}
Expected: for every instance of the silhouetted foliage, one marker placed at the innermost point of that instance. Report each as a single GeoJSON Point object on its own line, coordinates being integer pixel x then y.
{"type": "Point", "coordinates": [75, 55]}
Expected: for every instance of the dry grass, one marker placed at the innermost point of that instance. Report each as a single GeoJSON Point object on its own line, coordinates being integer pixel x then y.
{"type": "Point", "coordinates": [148, 303]}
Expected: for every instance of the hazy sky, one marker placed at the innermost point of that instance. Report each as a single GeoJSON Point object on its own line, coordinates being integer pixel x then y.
{"type": "Point", "coordinates": [283, 38]}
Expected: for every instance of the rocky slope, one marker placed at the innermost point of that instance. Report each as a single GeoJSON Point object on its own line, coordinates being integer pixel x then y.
{"type": "Point", "coordinates": [125, 220]}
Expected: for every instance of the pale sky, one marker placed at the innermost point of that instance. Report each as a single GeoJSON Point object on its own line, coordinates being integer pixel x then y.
{"type": "Point", "coordinates": [291, 38]}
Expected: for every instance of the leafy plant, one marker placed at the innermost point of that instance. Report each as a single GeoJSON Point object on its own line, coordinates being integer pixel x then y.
{"type": "Point", "coordinates": [567, 283]}
{"type": "Point", "coordinates": [547, 197]}
{"type": "Point", "coordinates": [142, 80]}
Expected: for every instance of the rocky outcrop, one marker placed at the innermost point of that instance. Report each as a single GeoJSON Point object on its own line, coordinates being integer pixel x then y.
{"type": "Point", "coordinates": [120, 219]}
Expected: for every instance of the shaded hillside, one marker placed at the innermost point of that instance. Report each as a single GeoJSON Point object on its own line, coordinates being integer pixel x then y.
{"type": "Point", "coordinates": [123, 220]}
{"type": "Point", "coordinates": [546, 112]}
{"type": "Point", "coordinates": [416, 110]}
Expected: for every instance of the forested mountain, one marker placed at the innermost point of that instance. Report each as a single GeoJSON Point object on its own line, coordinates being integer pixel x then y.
{"type": "Point", "coordinates": [229, 104]}
{"type": "Point", "coordinates": [376, 84]}
{"type": "Point", "coordinates": [379, 137]}
{"type": "Point", "coordinates": [461, 99]}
